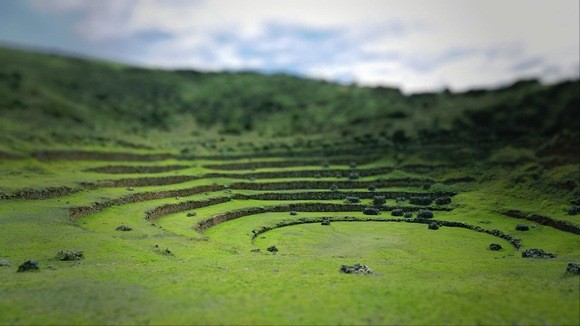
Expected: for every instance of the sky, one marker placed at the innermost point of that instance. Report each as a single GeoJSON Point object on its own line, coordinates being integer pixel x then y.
{"type": "Point", "coordinates": [413, 45]}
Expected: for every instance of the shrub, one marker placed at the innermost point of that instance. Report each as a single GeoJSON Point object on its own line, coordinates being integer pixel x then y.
{"type": "Point", "coordinates": [408, 215]}
{"type": "Point", "coordinates": [495, 247]}
{"type": "Point", "coordinates": [353, 175]}
{"type": "Point", "coordinates": [522, 227]}
{"type": "Point", "coordinates": [433, 226]}
{"type": "Point", "coordinates": [372, 188]}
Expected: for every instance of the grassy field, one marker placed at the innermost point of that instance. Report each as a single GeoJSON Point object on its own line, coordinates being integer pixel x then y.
{"type": "Point", "coordinates": [164, 271]}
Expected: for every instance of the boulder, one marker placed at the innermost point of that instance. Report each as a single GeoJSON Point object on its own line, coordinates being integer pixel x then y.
{"type": "Point", "coordinates": [29, 265]}
{"type": "Point", "coordinates": [573, 268]}
{"type": "Point", "coordinates": [522, 227]}
{"type": "Point", "coordinates": [433, 226]}
{"type": "Point", "coordinates": [446, 200]}
{"type": "Point", "coordinates": [124, 228]}
{"type": "Point", "coordinates": [495, 247]}
{"type": "Point", "coordinates": [424, 213]}
{"type": "Point", "coordinates": [379, 200]}
{"type": "Point", "coordinates": [397, 212]}
{"type": "Point", "coordinates": [371, 211]}
{"type": "Point", "coordinates": [355, 269]}
{"type": "Point", "coordinates": [69, 255]}
{"type": "Point", "coordinates": [4, 263]}
{"type": "Point", "coordinates": [537, 253]}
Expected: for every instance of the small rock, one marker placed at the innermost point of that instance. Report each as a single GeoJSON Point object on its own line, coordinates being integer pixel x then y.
{"type": "Point", "coordinates": [424, 213]}
{"type": "Point", "coordinates": [443, 200]}
{"type": "Point", "coordinates": [130, 188]}
{"type": "Point", "coordinates": [433, 226]}
{"type": "Point", "coordinates": [69, 255]}
{"type": "Point", "coordinates": [168, 251]}
{"type": "Point", "coordinates": [371, 211]}
{"type": "Point", "coordinates": [124, 228]}
{"type": "Point", "coordinates": [522, 227]}
{"type": "Point", "coordinates": [177, 197]}
{"type": "Point", "coordinates": [573, 268]}
{"type": "Point", "coordinates": [397, 212]}
{"type": "Point", "coordinates": [495, 247]}
{"type": "Point", "coordinates": [574, 210]}
{"type": "Point", "coordinates": [537, 253]}
{"type": "Point", "coordinates": [191, 214]}
{"type": "Point", "coordinates": [355, 269]}
{"type": "Point", "coordinates": [4, 263]}
{"type": "Point", "coordinates": [353, 175]}
{"type": "Point", "coordinates": [293, 213]}
{"type": "Point", "coordinates": [29, 265]}
{"type": "Point", "coordinates": [272, 249]}
{"type": "Point", "coordinates": [325, 221]}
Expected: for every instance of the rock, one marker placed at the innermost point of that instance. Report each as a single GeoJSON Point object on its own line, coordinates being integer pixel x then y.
{"type": "Point", "coordinates": [124, 228]}
{"type": "Point", "coordinates": [4, 263]}
{"type": "Point", "coordinates": [353, 175]}
{"type": "Point", "coordinates": [335, 187]}
{"type": "Point", "coordinates": [495, 247]}
{"type": "Point", "coordinates": [372, 188]}
{"type": "Point", "coordinates": [69, 255]}
{"type": "Point", "coordinates": [130, 188]}
{"type": "Point", "coordinates": [272, 249]}
{"type": "Point", "coordinates": [424, 213]}
{"type": "Point", "coordinates": [325, 221]}
{"type": "Point", "coordinates": [408, 215]}
{"type": "Point", "coordinates": [397, 212]}
{"type": "Point", "coordinates": [177, 197]}
{"type": "Point", "coordinates": [371, 211]}
{"type": "Point", "coordinates": [522, 227]}
{"type": "Point", "coordinates": [191, 214]}
{"type": "Point", "coordinates": [420, 200]}
{"type": "Point", "coordinates": [433, 226]}
{"type": "Point", "coordinates": [168, 251]}
{"type": "Point", "coordinates": [537, 253]}
{"type": "Point", "coordinates": [574, 210]}
{"type": "Point", "coordinates": [352, 200]}
{"type": "Point", "coordinates": [293, 213]}
{"type": "Point", "coordinates": [29, 265]}
{"type": "Point", "coordinates": [443, 200]}
{"type": "Point", "coordinates": [573, 268]}
{"type": "Point", "coordinates": [356, 269]}
{"type": "Point", "coordinates": [379, 200]}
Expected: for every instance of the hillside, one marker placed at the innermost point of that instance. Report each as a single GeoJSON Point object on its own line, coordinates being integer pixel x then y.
{"type": "Point", "coordinates": [55, 99]}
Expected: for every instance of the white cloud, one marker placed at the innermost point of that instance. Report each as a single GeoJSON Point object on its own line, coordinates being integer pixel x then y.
{"type": "Point", "coordinates": [417, 45]}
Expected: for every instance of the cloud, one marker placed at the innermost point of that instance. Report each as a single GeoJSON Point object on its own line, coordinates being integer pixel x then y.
{"type": "Point", "coordinates": [417, 45]}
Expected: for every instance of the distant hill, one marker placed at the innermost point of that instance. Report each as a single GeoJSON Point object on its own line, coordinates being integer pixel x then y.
{"type": "Point", "coordinates": [44, 98]}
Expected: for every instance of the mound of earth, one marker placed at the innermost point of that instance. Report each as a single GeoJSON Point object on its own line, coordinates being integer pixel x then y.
{"type": "Point", "coordinates": [356, 269]}
{"type": "Point", "coordinates": [537, 253]}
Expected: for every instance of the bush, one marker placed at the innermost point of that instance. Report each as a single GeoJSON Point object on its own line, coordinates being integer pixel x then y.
{"type": "Point", "coordinates": [537, 253]}
{"type": "Point", "coordinates": [325, 221]}
{"type": "Point", "coordinates": [433, 226]}
{"type": "Point", "coordinates": [522, 227]}
{"type": "Point", "coordinates": [372, 188]}
{"type": "Point", "coordinates": [371, 211]}
{"type": "Point", "coordinates": [408, 215]}
{"type": "Point", "coordinates": [574, 210]}
{"type": "Point", "coordinates": [352, 200]}
{"type": "Point", "coordinates": [379, 200]}
{"type": "Point", "coordinates": [495, 247]}
{"type": "Point", "coordinates": [353, 175]}
{"type": "Point", "coordinates": [424, 213]}
{"type": "Point", "coordinates": [334, 188]}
